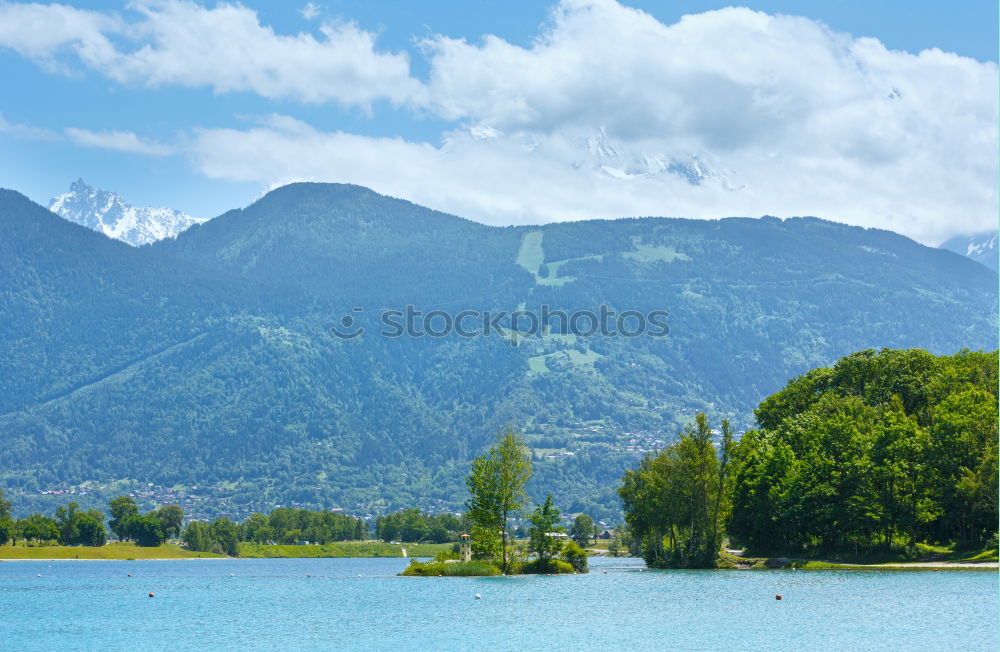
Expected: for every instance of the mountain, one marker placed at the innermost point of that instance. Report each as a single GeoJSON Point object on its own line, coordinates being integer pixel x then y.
{"type": "Point", "coordinates": [210, 365]}
{"type": "Point", "coordinates": [108, 213]}
{"type": "Point", "coordinates": [981, 248]}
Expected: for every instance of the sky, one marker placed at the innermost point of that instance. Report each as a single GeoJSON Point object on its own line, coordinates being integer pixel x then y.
{"type": "Point", "coordinates": [880, 114]}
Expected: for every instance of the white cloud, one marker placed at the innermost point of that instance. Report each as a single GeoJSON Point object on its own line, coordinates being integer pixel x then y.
{"type": "Point", "coordinates": [44, 32]}
{"type": "Point", "coordinates": [26, 131]}
{"type": "Point", "coordinates": [731, 112]}
{"type": "Point", "coordinates": [181, 43]}
{"type": "Point", "coordinates": [310, 11]}
{"type": "Point", "coordinates": [607, 113]}
{"type": "Point", "coordinates": [121, 141]}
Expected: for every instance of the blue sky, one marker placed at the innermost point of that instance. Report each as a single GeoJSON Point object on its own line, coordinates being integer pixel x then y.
{"type": "Point", "coordinates": [511, 112]}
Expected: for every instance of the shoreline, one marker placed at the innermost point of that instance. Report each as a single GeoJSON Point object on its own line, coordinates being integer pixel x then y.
{"type": "Point", "coordinates": [990, 566]}
{"type": "Point", "coordinates": [52, 559]}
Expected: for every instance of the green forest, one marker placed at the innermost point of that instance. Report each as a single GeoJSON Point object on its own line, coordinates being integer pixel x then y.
{"type": "Point", "coordinates": [882, 452]}
{"type": "Point", "coordinates": [204, 365]}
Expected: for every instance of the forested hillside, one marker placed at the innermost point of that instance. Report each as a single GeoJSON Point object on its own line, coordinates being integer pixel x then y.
{"type": "Point", "coordinates": [882, 449]}
{"type": "Point", "coordinates": [879, 454]}
{"type": "Point", "coordinates": [208, 361]}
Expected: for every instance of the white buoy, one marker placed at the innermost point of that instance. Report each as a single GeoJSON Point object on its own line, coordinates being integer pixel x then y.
{"type": "Point", "coordinates": [478, 597]}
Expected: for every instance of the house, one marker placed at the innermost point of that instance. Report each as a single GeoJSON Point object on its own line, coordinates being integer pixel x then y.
{"type": "Point", "coordinates": [606, 534]}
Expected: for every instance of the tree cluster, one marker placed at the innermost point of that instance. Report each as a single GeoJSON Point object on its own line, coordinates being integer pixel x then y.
{"type": "Point", "coordinates": [496, 484]}
{"type": "Point", "coordinates": [70, 527]}
{"type": "Point", "coordinates": [290, 525]}
{"type": "Point", "coordinates": [676, 501]}
{"type": "Point", "coordinates": [415, 526]}
{"type": "Point", "coordinates": [285, 525]}
{"type": "Point", "coordinates": [150, 529]}
{"type": "Point", "coordinates": [884, 450]}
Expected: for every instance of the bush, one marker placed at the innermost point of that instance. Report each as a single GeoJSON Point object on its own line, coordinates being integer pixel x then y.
{"type": "Point", "coordinates": [575, 556]}
{"type": "Point", "coordinates": [550, 565]}
{"type": "Point", "coordinates": [447, 554]}
{"type": "Point", "coordinates": [457, 569]}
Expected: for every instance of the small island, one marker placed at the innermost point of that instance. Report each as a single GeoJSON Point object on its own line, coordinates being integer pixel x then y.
{"type": "Point", "coordinates": [496, 487]}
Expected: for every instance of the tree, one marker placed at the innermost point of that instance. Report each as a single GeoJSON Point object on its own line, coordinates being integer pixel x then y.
{"type": "Point", "coordinates": [37, 527]}
{"type": "Point", "coordinates": [672, 501]}
{"type": "Point", "coordinates": [171, 520]}
{"type": "Point", "coordinates": [147, 530]}
{"type": "Point", "coordinates": [255, 528]}
{"type": "Point", "coordinates": [575, 556]}
{"type": "Point", "coordinates": [66, 520]}
{"type": "Point", "coordinates": [583, 528]}
{"type": "Point", "coordinates": [122, 509]}
{"type": "Point", "coordinates": [496, 484]}
{"type": "Point", "coordinates": [6, 522]}
{"type": "Point", "coordinates": [90, 531]}
{"type": "Point", "coordinates": [80, 528]}
{"type": "Point", "coordinates": [197, 537]}
{"type": "Point", "coordinates": [543, 524]}
{"type": "Point", "coordinates": [225, 534]}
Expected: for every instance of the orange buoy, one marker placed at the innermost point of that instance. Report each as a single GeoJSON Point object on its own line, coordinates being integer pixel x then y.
{"type": "Point", "coordinates": [777, 597]}
{"type": "Point", "coordinates": [151, 594]}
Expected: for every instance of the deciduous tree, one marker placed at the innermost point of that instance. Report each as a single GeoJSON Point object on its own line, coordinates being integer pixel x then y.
{"type": "Point", "coordinates": [496, 484]}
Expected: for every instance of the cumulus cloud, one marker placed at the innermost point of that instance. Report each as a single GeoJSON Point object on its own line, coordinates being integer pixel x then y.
{"type": "Point", "coordinates": [121, 141]}
{"type": "Point", "coordinates": [310, 11]}
{"type": "Point", "coordinates": [607, 113]}
{"type": "Point", "coordinates": [181, 43]}
{"type": "Point", "coordinates": [612, 113]}
{"type": "Point", "coordinates": [44, 33]}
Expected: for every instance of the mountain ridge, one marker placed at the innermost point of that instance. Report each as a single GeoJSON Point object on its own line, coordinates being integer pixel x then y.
{"type": "Point", "coordinates": [106, 212]}
{"type": "Point", "coordinates": [208, 360]}
{"type": "Point", "coordinates": [981, 247]}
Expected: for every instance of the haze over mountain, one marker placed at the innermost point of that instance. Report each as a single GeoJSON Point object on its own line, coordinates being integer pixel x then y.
{"type": "Point", "coordinates": [108, 213]}
{"type": "Point", "coordinates": [208, 360]}
{"type": "Point", "coordinates": [981, 247]}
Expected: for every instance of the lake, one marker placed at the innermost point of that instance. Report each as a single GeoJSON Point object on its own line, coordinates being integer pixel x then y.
{"type": "Point", "coordinates": [269, 604]}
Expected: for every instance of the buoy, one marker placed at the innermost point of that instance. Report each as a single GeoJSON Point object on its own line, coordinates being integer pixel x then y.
{"type": "Point", "coordinates": [479, 597]}
{"type": "Point", "coordinates": [777, 597]}
{"type": "Point", "coordinates": [130, 574]}
{"type": "Point", "coordinates": [151, 594]}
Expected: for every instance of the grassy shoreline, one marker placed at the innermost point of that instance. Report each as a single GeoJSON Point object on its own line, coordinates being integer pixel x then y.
{"type": "Point", "coordinates": [109, 552]}
{"type": "Point", "coordinates": [342, 549]}
{"type": "Point", "coordinates": [984, 560]}
{"type": "Point", "coordinates": [129, 551]}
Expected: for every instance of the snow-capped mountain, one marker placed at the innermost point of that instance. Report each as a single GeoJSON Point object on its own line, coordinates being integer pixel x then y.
{"type": "Point", "coordinates": [105, 211]}
{"type": "Point", "coordinates": [981, 248]}
{"type": "Point", "coordinates": [622, 162]}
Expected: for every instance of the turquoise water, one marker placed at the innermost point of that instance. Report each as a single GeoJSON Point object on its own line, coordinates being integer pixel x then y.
{"type": "Point", "coordinates": [346, 604]}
